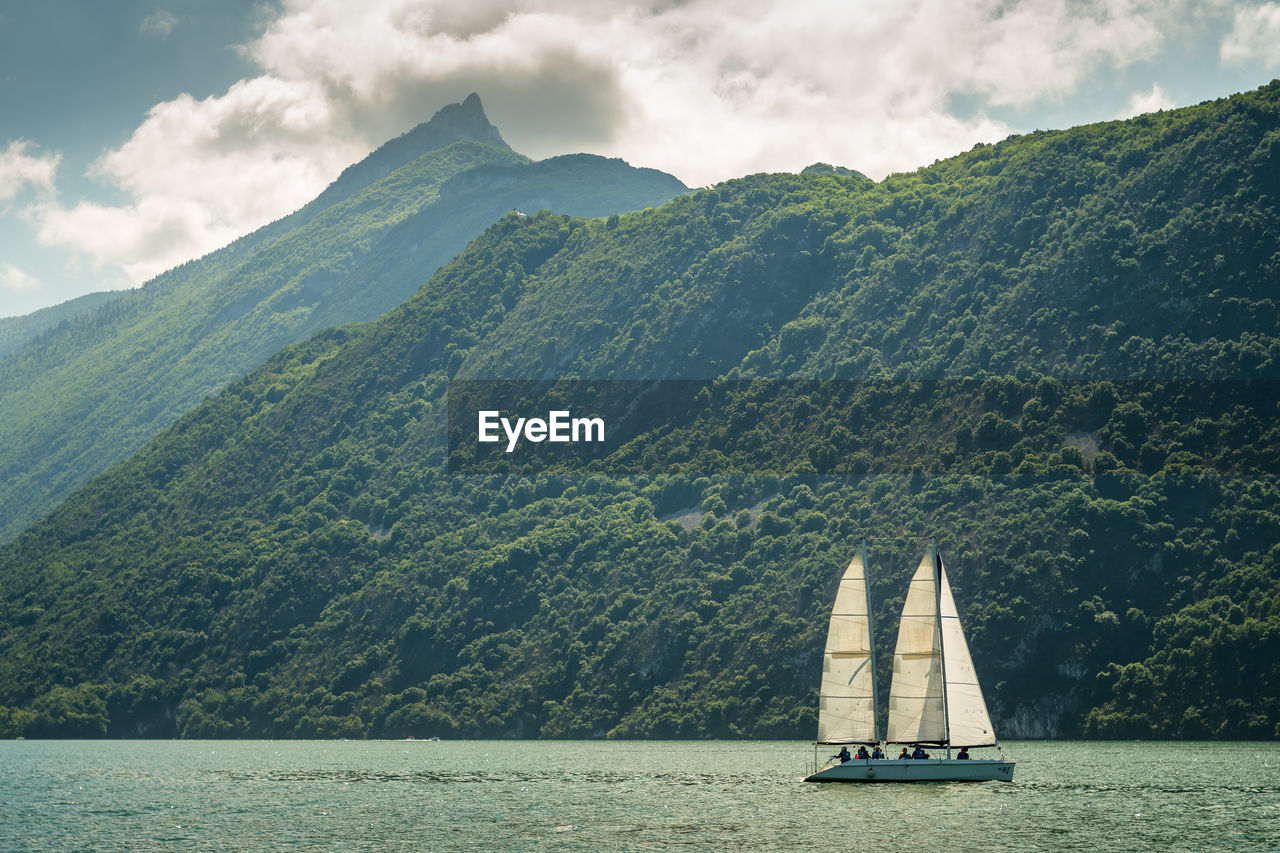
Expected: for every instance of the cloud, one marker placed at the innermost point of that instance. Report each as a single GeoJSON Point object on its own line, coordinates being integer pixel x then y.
{"type": "Point", "coordinates": [1147, 102]}
{"type": "Point", "coordinates": [710, 89]}
{"type": "Point", "coordinates": [161, 22]}
{"type": "Point", "coordinates": [15, 280]}
{"type": "Point", "coordinates": [1254, 36]}
{"type": "Point", "coordinates": [262, 149]}
{"type": "Point", "coordinates": [705, 89]}
{"type": "Point", "coordinates": [142, 239]}
{"type": "Point", "coordinates": [203, 172]}
{"type": "Point", "coordinates": [390, 65]}
{"type": "Point", "coordinates": [21, 170]}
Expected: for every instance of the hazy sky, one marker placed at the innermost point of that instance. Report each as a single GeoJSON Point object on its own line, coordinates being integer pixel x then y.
{"type": "Point", "coordinates": [136, 135]}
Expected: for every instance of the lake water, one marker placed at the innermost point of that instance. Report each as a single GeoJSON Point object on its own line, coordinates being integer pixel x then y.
{"type": "Point", "coordinates": [606, 796]}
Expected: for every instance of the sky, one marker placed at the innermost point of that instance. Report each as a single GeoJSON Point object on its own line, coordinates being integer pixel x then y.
{"type": "Point", "coordinates": [137, 135]}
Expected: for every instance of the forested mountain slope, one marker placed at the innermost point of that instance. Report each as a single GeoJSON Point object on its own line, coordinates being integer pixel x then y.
{"type": "Point", "coordinates": [1056, 355]}
{"type": "Point", "coordinates": [15, 332]}
{"type": "Point", "coordinates": [88, 392]}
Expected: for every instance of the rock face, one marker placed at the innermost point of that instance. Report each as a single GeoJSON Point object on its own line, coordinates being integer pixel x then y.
{"type": "Point", "coordinates": [452, 123]}
{"type": "Point", "coordinates": [1040, 719]}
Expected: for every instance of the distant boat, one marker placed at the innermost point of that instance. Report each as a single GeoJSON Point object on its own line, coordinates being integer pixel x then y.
{"type": "Point", "coordinates": [934, 698]}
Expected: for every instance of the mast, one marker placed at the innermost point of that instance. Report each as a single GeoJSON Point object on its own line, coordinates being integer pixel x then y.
{"type": "Point", "coordinates": [871, 645]}
{"type": "Point", "coordinates": [942, 652]}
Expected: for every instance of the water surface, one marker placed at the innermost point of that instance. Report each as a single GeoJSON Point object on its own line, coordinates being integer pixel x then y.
{"type": "Point", "coordinates": [556, 795]}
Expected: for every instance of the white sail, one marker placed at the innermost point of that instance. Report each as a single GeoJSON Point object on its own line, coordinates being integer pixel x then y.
{"type": "Point", "coordinates": [969, 723]}
{"type": "Point", "coordinates": [916, 692]}
{"type": "Point", "coordinates": [846, 704]}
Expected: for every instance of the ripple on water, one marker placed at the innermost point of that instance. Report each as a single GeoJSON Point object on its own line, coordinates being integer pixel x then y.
{"type": "Point", "coordinates": [619, 796]}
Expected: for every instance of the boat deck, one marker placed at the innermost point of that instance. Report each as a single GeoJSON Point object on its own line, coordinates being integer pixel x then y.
{"type": "Point", "coordinates": [916, 770]}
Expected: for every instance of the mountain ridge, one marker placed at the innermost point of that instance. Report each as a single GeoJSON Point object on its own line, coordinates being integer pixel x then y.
{"type": "Point", "coordinates": [19, 330]}
{"type": "Point", "coordinates": [463, 121]}
{"type": "Point", "coordinates": [86, 392]}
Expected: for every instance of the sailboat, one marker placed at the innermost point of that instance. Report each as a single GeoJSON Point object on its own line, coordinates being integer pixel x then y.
{"type": "Point", "coordinates": [934, 699]}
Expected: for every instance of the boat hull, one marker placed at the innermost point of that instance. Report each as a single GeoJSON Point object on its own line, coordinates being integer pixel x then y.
{"type": "Point", "coordinates": [908, 770]}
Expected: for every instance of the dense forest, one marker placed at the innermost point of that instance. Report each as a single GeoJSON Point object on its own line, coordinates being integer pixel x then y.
{"type": "Point", "coordinates": [85, 385]}
{"type": "Point", "coordinates": [16, 332]}
{"type": "Point", "coordinates": [1056, 355]}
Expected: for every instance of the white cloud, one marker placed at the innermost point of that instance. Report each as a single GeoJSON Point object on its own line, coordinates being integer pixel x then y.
{"type": "Point", "coordinates": [20, 170]}
{"type": "Point", "coordinates": [142, 239]}
{"type": "Point", "coordinates": [705, 89]}
{"type": "Point", "coordinates": [161, 22]}
{"type": "Point", "coordinates": [203, 172]}
{"type": "Point", "coordinates": [262, 149]}
{"type": "Point", "coordinates": [710, 89]}
{"type": "Point", "coordinates": [15, 280]}
{"type": "Point", "coordinates": [1255, 36]}
{"type": "Point", "coordinates": [1147, 102]}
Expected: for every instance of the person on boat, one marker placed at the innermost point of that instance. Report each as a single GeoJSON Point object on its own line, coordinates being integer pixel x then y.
{"type": "Point", "coordinates": [877, 754]}
{"type": "Point", "coordinates": [863, 755]}
{"type": "Point", "coordinates": [844, 754]}
{"type": "Point", "coordinates": [919, 753]}
{"type": "Point", "coordinates": [964, 754]}
{"type": "Point", "coordinates": [904, 755]}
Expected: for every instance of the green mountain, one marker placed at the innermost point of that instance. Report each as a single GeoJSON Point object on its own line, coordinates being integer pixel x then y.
{"type": "Point", "coordinates": [16, 332]}
{"type": "Point", "coordinates": [1056, 355]}
{"type": "Point", "coordinates": [86, 391]}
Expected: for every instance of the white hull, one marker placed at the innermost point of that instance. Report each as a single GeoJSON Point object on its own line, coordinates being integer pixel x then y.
{"type": "Point", "coordinates": [911, 770]}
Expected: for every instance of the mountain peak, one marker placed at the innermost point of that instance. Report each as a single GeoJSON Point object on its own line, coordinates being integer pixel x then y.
{"type": "Point", "coordinates": [451, 123]}
{"type": "Point", "coordinates": [454, 122]}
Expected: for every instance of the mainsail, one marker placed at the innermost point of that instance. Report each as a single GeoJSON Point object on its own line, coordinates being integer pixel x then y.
{"type": "Point", "coordinates": [935, 697]}
{"type": "Point", "coordinates": [846, 704]}
{"type": "Point", "coordinates": [915, 694]}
